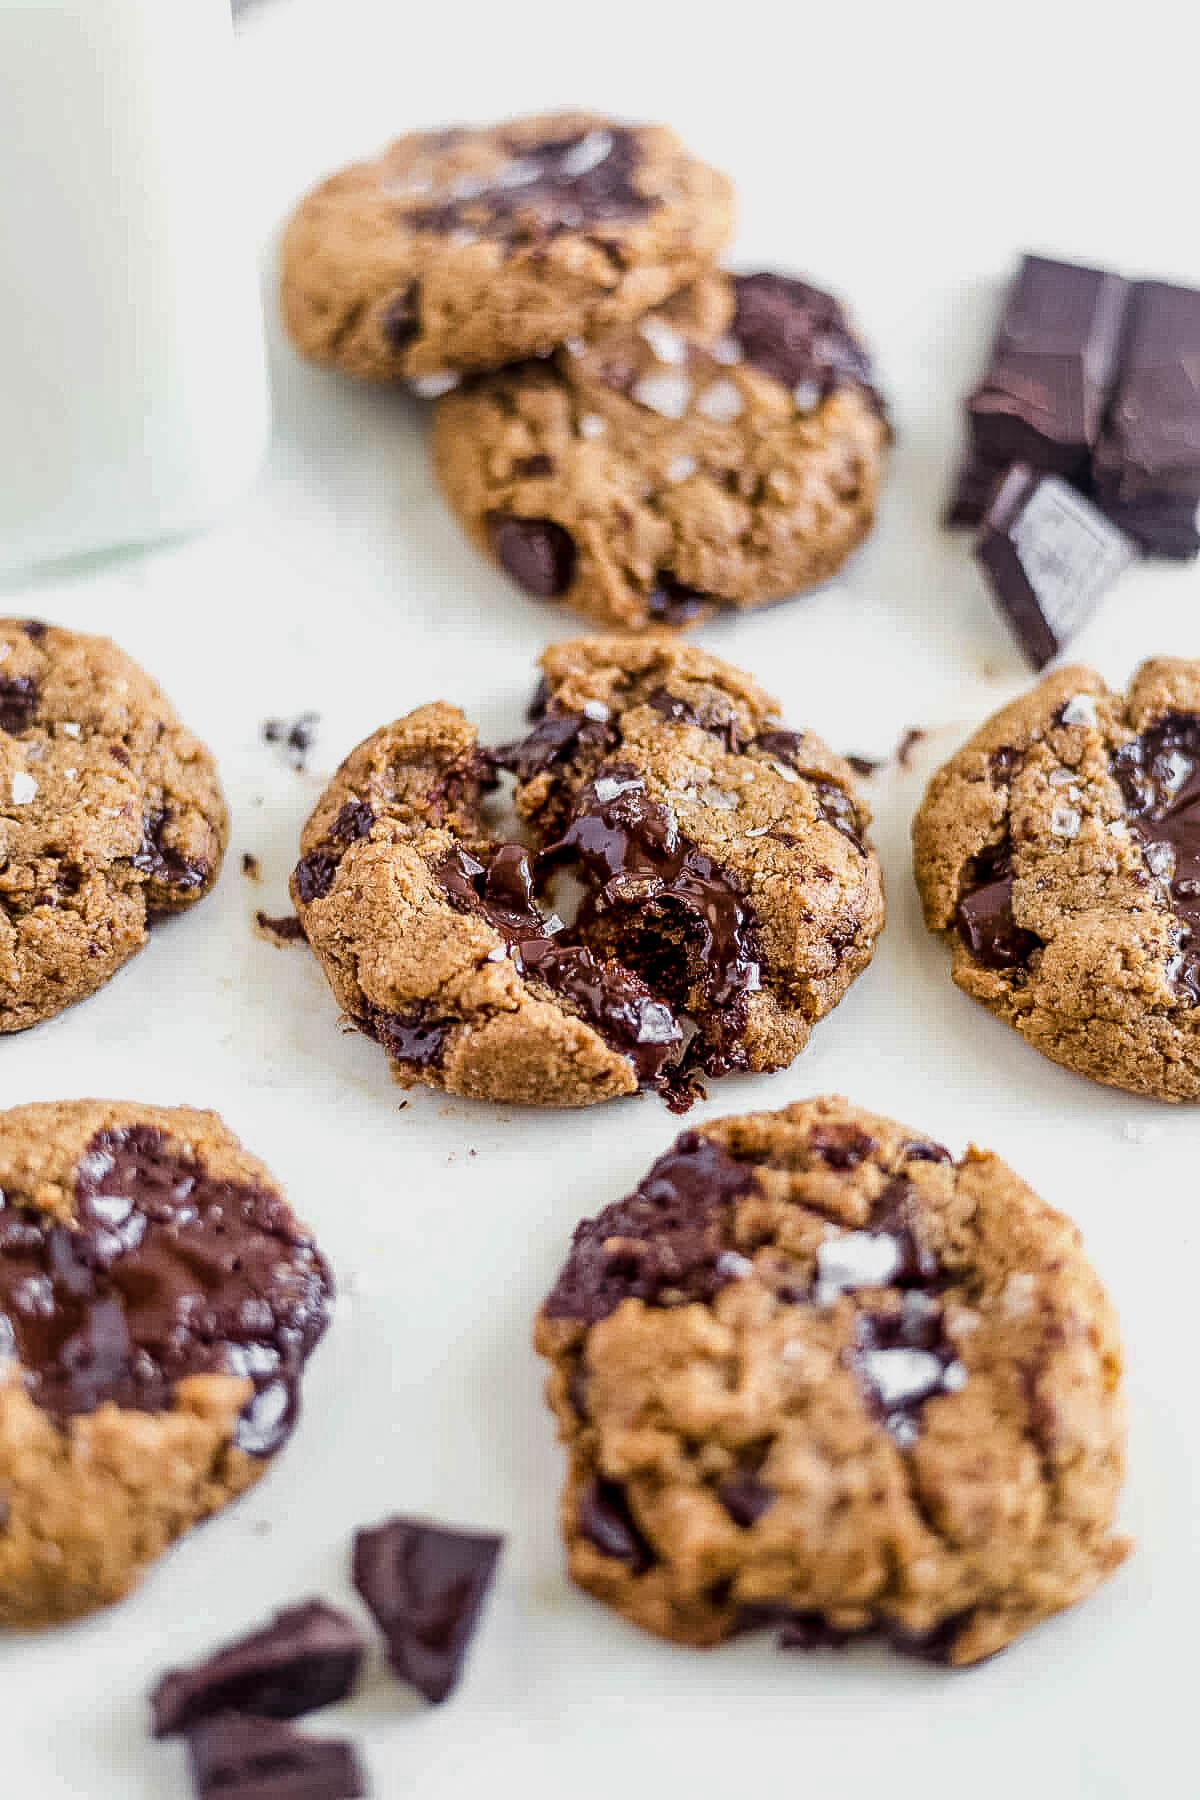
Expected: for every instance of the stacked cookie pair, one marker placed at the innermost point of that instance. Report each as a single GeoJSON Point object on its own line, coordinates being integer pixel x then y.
{"type": "Point", "coordinates": [620, 424]}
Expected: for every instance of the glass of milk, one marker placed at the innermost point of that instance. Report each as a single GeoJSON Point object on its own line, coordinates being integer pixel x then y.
{"type": "Point", "coordinates": [133, 396]}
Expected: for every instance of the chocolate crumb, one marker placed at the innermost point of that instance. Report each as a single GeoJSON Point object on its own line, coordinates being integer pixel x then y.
{"type": "Point", "coordinates": [908, 743]}
{"type": "Point", "coordinates": [295, 737]}
{"type": "Point", "coordinates": [251, 867]}
{"type": "Point", "coordinates": [284, 930]}
{"type": "Point", "coordinates": [864, 765]}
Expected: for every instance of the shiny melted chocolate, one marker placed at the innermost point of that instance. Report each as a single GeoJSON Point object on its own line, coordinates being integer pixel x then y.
{"type": "Point", "coordinates": [567, 184]}
{"type": "Point", "coordinates": [1159, 776]}
{"type": "Point", "coordinates": [168, 1272]}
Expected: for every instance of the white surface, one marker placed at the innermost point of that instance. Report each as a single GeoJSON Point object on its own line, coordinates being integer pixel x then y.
{"type": "Point", "coordinates": [132, 389]}
{"type": "Point", "coordinates": [901, 161]}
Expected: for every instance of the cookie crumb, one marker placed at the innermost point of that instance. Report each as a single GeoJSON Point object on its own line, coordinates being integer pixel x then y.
{"type": "Point", "coordinates": [251, 867]}
{"type": "Point", "coordinates": [908, 743]}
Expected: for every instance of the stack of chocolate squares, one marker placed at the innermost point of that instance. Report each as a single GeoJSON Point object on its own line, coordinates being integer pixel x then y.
{"type": "Point", "coordinates": [1083, 443]}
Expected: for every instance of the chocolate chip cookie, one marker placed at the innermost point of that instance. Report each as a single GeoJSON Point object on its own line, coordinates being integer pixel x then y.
{"type": "Point", "coordinates": [721, 891]}
{"type": "Point", "coordinates": [111, 814]}
{"type": "Point", "coordinates": [724, 451]}
{"type": "Point", "coordinates": [817, 1375]}
{"type": "Point", "coordinates": [158, 1302]}
{"type": "Point", "coordinates": [470, 248]}
{"type": "Point", "coordinates": [1059, 855]}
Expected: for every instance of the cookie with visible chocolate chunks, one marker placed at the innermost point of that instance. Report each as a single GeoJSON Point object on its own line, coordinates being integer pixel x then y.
{"type": "Point", "coordinates": [111, 814]}
{"type": "Point", "coordinates": [1058, 853]}
{"type": "Point", "coordinates": [723, 890]}
{"type": "Point", "coordinates": [724, 451]}
{"type": "Point", "coordinates": [477, 246]}
{"type": "Point", "coordinates": [817, 1375]}
{"type": "Point", "coordinates": [158, 1301]}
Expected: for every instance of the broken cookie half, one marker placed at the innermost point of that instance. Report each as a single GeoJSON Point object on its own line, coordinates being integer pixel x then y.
{"type": "Point", "coordinates": [720, 891]}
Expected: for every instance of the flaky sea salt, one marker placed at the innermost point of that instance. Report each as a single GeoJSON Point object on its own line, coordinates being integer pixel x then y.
{"type": "Point", "coordinates": [807, 396]}
{"type": "Point", "coordinates": [1080, 709]}
{"type": "Point", "coordinates": [608, 787]}
{"type": "Point", "coordinates": [856, 1259]}
{"type": "Point", "coordinates": [667, 393]}
{"type": "Point", "coordinates": [1160, 860]}
{"type": "Point", "coordinates": [70, 728]}
{"type": "Point", "coordinates": [727, 350]}
{"type": "Point", "coordinates": [587, 154]}
{"type": "Point", "coordinates": [1065, 822]}
{"type": "Point", "coordinates": [721, 402]}
{"type": "Point", "coordinates": [428, 387]}
{"type": "Point", "coordinates": [667, 344]}
{"type": "Point", "coordinates": [681, 468]}
{"type": "Point", "coordinates": [591, 425]}
{"type": "Point", "coordinates": [24, 787]}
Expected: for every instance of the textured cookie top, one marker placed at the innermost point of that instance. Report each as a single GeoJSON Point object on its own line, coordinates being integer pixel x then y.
{"type": "Point", "coordinates": [723, 451]}
{"type": "Point", "coordinates": [470, 247]}
{"type": "Point", "coordinates": [141, 1246]}
{"type": "Point", "coordinates": [724, 896]}
{"type": "Point", "coordinates": [110, 812]}
{"type": "Point", "coordinates": [1059, 852]}
{"type": "Point", "coordinates": [813, 1364]}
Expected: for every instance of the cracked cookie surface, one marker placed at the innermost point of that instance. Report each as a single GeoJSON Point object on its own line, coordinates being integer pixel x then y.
{"type": "Point", "coordinates": [724, 893]}
{"type": "Point", "coordinates": [110, 814]}
{"type": "Point", "coordinates": [815, 1374]}
{"type": "Point", "coordinates": [158, 1301]}
{"type": "Point", "coordinates": [723, 452]}
{"type": "Point", "coordinates": [1058, 853]}
{"type": "Point", "coordinates": [474, 247]}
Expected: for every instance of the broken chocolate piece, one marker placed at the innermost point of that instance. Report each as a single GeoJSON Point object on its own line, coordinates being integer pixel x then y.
{"type": "Point", "coordinates": [1050, 558]}
{"type": "Point", "coordinates": [1147, 464]}
{"type": "Point", "coordinates": [537, 553]}
{"type": "Point", "coordinates": [308, 1656]}
{"type": "Point", "coordinates": [18, 703]}
{"type": "Point", "coordinates": [985, 916]}
{"type": "Point", "coordinates": [1051, 367]}
{"type": "Point", "coordinates": [238, 1758]}
{"type": "Point", "coordinates": [425, 1587]}
{"type": "Point", "coordinates": [799, 335]}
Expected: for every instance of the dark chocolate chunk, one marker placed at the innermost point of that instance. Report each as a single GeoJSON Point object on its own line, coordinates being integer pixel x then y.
{"type": "Point", "coordinates": [163, 866]}
{"type": "Point", "coordinates": [18, 703]}
{"type": "Point", "coordinates": [841, 1146]}
{"type": "Point", "coordinates": [315, 871]}
{"type": "Point", "coordinates": [553, 737]}
{"type": "Point", "coordinates": [617, 1002]}
{"type": "Point", "coordinates": [35, 629]}
{"type": "Point", "coordinates": [402, 317]}
{"type": "Point", "coordinates": [167, 1273]}
{"type": "Point", "coordinates": [799, 335]}
{"type": "Point", "coordinates": [632, 854]}
{"type": "Point", "coordinates": [1150, 446]}
{"type": "Point", "coordinates": [425, 1587]}
{"type": "Point", "coordinates": [238, 1758]}
{"type": "Point", "coordinates": [538, 553]}
{"type": "Point", "coordinates": [251, 867]}
{"type": "Point", "coordinates": [295, 737]}
{"type": "Point", "coordinates": [1050, 557]}
{"type": "Point", "coordinates": [718, 721]}
{"type": "Point", "coordinates": [286, 929]}
{"type": "Point", "coordinates": [526, 467]}
{"type": "Point", "coordinates": [565, 185]}
{"type": "Point", "coordinates": [1159, 776]}
{"type": "Point", "coordinates": [745, 1498]}
{"type": "Point", "coordinates": [665, 1244]}
{"type": "Point", "coordinates": [1051, 367]}
{"type": "Point", "coordinates": [308, 1656]}
{"type": "Point", "coordinates": [864, 765]}
{"type": "Point", "coordinates": [605, 1520]}
{"type": "Point", "coordinates": [669, 602]}
{"type": "Point", "coordinates": [414, 1037]}
{"type": "Point", "coordinates": [985, 916]}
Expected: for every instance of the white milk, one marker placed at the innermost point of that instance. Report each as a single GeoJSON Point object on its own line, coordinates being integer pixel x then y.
{"type": "Point", "coordinates": [132, 382]}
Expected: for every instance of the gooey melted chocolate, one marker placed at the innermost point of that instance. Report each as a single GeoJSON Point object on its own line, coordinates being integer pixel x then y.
{"type": "Point", "coordinates": [1159, 776]}
{"type": "Point", "coordinates": [167, 1273]}
{"type": "Point", "coordinates": [984, 916]}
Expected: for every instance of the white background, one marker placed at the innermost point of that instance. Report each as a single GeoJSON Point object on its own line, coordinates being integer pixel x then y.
{"type": "Point", "coordinates": [903, 154]}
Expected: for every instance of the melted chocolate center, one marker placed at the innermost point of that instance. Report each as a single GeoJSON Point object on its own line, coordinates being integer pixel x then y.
{"type": "Point", "coordinates": [1159, 775]}
{"type": "Point", "coordinates": [167, 1273]}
